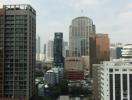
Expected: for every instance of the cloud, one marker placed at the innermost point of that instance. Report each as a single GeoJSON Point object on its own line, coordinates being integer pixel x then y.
{"type": "Point", "coordinates": [129, 5]}
{"type": "Point", "coordinates": [83, 3]}
{"type": "Point", "coordinates": [125, 21]}
{"type": "Point", "coordinates": [1, 3]}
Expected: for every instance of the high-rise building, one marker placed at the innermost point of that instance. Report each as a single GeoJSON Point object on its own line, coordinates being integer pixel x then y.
{"type": "Point", "coordinates": [116, 80]}
{"type": "Point", "coordinates": [38, 48]}
{"type": "Point", "coordinates": [82, 40]}
{"type": "Point", "coordinates": [115, 51]}
{"type": "Point", "coordinates": [81, 30]}
{"type": "Point", "coordinates": [102, 47]}
{"type": "Point", "coordinates": [44, 52]}
{"type": "Point", "coordinates": [112, 80]}
{"type": "Point", "coordinates": [18, 47]}
{"type": "Point", "coordinates": [49, 51]}
{"type": "Point", "coordinates": [38, 44]}
{"type": "Point", "coordinates": [65, 49]}
{"type": "Point", "coordinates": [58, 49]}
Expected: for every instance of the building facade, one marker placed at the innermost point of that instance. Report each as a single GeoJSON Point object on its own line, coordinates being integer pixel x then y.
{"type": "Point", "coordinates": [49, 50]}
{"type": "Point", "coordinates": [102, 47]}
{"type": "Point", "coordinates": [115, 51]}
{"type": "Point", "coordinates": [38, 48]}
{"type": "Point", "coordinates": [81, 30]}
{"type": "Point", "coordinates": [82, 39]}
{"type": "Point", "coordinates": [58, 50]}
{"type": "Point", "coordinates": [116, 80]}
{"type": "Point", "coordinates": [127, 51]}
{"type": "Point", "coordinates": [18, 47]}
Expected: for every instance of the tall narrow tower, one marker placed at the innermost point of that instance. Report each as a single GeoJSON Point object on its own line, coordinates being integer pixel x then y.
{"type": "Point", "coordinates": [38, 48]}
{"type": "Point", "coordinates": [58, 49]}
{"type": "Point", "coordinates": [17, 51]}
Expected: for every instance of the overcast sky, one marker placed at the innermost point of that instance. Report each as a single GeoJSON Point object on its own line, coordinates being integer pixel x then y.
{"type": "Point", "coordinates": [110, 16]}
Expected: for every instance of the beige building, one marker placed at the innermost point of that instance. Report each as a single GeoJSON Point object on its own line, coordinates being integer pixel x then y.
{"type": "Point", "coordinates": [77, 63]}
{"type": "Point", "coordinates": [73, 63]}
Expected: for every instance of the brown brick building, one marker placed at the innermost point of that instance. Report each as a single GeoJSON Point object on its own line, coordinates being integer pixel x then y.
{"type": "Point", "coordinates": [102, 47]}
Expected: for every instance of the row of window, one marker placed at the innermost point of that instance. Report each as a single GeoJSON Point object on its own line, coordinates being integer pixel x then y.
{"type": "Point", "coordinates": [111, 70]}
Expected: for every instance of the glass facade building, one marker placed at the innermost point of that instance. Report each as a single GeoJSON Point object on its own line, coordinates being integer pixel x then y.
{"type": "Point", "coordinates": [81, 30]}
{"type": "Point", "coordinates": [58, 49]}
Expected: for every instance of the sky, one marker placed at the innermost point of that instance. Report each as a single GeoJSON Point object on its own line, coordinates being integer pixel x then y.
{"type": "Point", "coordinates": [110, 16]}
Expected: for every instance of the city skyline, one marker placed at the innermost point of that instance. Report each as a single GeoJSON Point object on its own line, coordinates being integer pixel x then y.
{"type": "Point", "coordinates": [109, 16]}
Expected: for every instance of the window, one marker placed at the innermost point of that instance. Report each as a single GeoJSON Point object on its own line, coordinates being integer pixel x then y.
{"type": "Point", "coordinates": [110, 70]}
{"type": "Point", "coordinates": [116, 69]}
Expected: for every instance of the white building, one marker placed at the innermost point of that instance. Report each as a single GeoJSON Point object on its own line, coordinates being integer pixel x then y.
{"type": "Point", "coordinates": [116, 80]}
{"type": "Point", "coordinates": [53, 76]}
{"type": "Point", "coordinates": [50, 77]}
{"type": "Point", "coordinates": [127, 51]}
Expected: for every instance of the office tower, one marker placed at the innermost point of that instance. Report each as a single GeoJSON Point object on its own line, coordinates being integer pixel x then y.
{"type": "Point", "coordinates": [82, 40]}
{"type": "Point", "coordinates": [49, 50]}
{"type": "Point", "coordinates": [18, 47]}
{"type": "Point", "coordinates": [65, 48]}
{"type": "Point", "coordinates": [116, 80]}
{"type": "Point", "coordinates": [81, 30]}
{"type": "Point", "coordinates": [58, 49]}
{"type": "Point", "coordinates": [113, 79]}
{"type": "Point", "coordinates": [38, 45]}
{"type": "Point", "coordinates": [44, 52]}
{"type": "Point", "coordinates": [102, 47]}
{"type": "Point", "coordinates": [44, 49]}
{"type": "Point", "coordinates": [38, 48]}
{"type": "Point", "coordinates": [115, 51]}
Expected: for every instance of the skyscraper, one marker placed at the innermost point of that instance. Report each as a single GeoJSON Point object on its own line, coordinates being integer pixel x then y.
{"type": "Point", "coordinates": [18, 47]}
{"type": "Point", "coordinates": [81, 30]}
{"type": "Point", "coordinates": [44, 52]}
{"type": "Point", "coordinates": [58, 49]}
{"type": "Point", "coordinates": [38, 48]}
{"type": "Point", "coordinates": [50, 50]}
{"type": "Point", "coordinates": [102, 47]}
{"type": "Point", "coordinates": [82, 40]}
{"type": "Point", "coordinates": [65, 48]}
{"type": "Point", "coordinates": [38, 45]}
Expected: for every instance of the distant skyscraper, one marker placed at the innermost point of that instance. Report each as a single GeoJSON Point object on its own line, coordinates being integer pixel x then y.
{"type": "Point", "coordinates": [49, 50]}
{"type": "Point", "coordinates": [38, 48]}
{"type": "Point", "coordinates": [44, 51]}
{"type": "Point", "coordinates": [81, 30]}
{"type": "Point", "coordinates": [65, 48]}
{"type": "Point", "coordinates": [58, 49]}
{"type": "Point", "coordinates": [38, 45]}
{"type": "Point", "coordinates": [18, 47]}
{"type": "Point", "coordinates": [102, 47]}
{"type": "Point", "coordinates": [115, 51]}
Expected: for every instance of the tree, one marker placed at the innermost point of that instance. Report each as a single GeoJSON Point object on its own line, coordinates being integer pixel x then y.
{"type": "Point", "coordinates": [63, 87]}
